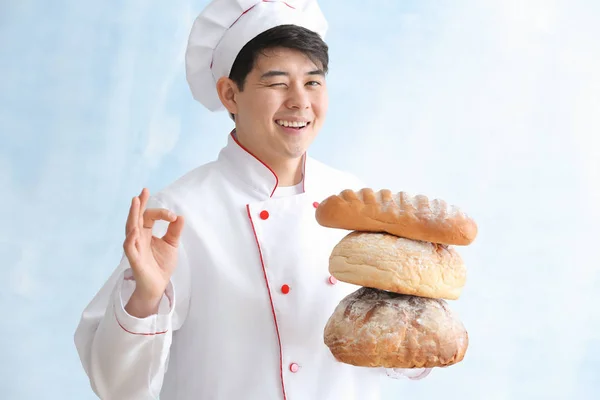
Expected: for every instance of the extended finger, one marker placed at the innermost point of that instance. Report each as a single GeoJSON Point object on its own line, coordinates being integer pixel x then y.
{"type": "Point", "coordinates": [174, 231]}
{"type": "Point", "coordinates": [155, 214]}
{"type": "Point", "coordinates": [143, 203]}
{"type": "Point", "coordinates": [132, 218]}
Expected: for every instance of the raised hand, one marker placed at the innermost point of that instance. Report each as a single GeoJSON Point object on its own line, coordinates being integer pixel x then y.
{"type": "Point", "coordinates": [152, 259]}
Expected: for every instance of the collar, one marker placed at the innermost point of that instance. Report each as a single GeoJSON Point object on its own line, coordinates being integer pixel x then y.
{"type": "Point", "coordinates": [254, 171]}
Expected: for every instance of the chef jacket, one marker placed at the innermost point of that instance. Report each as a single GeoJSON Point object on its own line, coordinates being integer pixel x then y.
{"type": "Point", "coordinates": [244, 312]}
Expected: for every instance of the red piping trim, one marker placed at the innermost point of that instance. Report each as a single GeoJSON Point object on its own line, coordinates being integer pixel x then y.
{"type": "Point", "coordinates": [278, 1]}
{"type": "Point", "coordinates": [259, 160]}
{"type": "Point", "coordinates": [242, 14]}
{"type": "Point", "coordinates": [262, 263]}
{"type": "Point", "coordinates": [131, 278]}
{"type": "Point", "coordinates": [304, 173]}
{"type": "Point", "coordinates": [135, 333]}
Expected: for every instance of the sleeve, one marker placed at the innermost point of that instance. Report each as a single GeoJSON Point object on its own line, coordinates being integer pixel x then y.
{"type": "Point", "coordinates": [123, 356]}
{"type": "Point", "coordinates": [414, 374]}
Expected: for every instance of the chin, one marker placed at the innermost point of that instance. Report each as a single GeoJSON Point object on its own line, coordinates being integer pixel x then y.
{"type": "Point", "coordinates": [294, 141]}
{"type": "Point", "coordinates": [297, 152]}
{"type": "Point", "coordinates": [294, 149]}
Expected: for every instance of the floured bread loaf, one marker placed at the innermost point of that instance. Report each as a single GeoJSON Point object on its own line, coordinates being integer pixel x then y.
{"type": "Point", "coordinates": [406, 266]}
{"type": "Point", "coordinates": [400, 214]}
{"type": "Point", "coordinates": [374, 328]}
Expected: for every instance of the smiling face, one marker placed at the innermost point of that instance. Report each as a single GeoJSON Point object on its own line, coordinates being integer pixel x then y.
{"type": "Point", "coordinates": [282, 105]}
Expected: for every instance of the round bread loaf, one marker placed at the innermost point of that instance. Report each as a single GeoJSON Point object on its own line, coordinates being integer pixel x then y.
{"type": "Point", "coordinates": [406, 266]}
{"type": "Point", "coordinates": [399, 214]}
{"type": "Point", "coordinates": [374, 328]}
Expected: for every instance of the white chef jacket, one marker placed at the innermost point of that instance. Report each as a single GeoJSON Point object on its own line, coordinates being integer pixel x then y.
{"type": "Point", "coordinates": [244, 313]}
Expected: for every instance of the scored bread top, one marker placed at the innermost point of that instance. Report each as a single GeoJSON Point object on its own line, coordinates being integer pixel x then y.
{"type": "Point", "coordinates": [376, 328]}
{"type": "Point", "coordinates": [401, 214]}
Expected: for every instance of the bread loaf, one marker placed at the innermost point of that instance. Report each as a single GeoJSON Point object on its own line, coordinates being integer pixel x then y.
{"type": "Point", "coordinates": [374, 328]}
{"type": "Point", "coordinates": [400, 214]}
{"type": "Point", "coordinates": [406, 266]}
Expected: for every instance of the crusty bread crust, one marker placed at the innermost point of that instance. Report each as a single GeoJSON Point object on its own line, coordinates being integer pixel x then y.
{"type": "Point", "coordinates": [406, 266]}
{"type": "Point", "coordinates": [399, 214]}
{"type": "Point", "coordinates": [374, 328]}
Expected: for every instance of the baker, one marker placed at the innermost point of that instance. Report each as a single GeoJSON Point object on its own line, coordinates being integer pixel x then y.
{"type": "Point", "coordinates": [223, 291]}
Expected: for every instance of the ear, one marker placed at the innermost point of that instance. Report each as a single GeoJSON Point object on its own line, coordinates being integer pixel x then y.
{"type": "Point", "coordinates": [227, 90]}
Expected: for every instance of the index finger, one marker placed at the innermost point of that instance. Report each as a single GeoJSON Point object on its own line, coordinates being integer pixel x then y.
{"type": "Point", "coordinates": [156, 214]}
{"type": "Point", "coordinates": [134, 212]}
{"type": "Point", "coordinates": [144, 196]}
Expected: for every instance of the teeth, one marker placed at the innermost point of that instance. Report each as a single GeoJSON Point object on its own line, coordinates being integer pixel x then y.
{"type": "Point", "coordinates": [293, 124]}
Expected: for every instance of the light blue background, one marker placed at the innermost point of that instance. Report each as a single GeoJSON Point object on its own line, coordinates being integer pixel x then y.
{"type": "Point", "coordinates": [491, 105]}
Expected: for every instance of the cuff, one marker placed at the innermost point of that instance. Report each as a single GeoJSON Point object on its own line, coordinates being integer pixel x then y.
{"type": "Point", "coordinates": [156, 324]}
{"type": "Point", "coordinates": [414, 374]}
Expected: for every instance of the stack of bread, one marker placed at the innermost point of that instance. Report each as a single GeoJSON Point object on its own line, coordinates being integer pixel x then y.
{"type": "Point", "coordinates": [401, 252]}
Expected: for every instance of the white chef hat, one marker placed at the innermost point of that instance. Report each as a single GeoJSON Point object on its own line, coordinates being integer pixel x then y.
{"type": "Point", "coordinates": [225, 26]}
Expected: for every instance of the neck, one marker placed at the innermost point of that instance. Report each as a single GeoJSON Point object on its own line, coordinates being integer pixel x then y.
{"type": "Point", "coordinates": [288, 170]}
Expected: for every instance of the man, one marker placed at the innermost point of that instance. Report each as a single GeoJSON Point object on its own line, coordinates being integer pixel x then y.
{"type": "Point", "coordinates": [223, 292]}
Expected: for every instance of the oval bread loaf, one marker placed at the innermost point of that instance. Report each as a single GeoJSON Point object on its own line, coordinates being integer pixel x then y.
{"type": "Point", "coordinates": [406, 266]}
{"type": "Point", "coordinates": [374, 328]}
{"type": "Point", "coordinates": [399, 214]}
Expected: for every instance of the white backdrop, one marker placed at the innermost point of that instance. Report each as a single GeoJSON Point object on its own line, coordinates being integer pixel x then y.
{"type": "Point", "coordinates": [491, 105]}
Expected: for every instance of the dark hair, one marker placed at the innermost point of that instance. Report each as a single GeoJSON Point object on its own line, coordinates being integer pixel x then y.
{"type": "Point", "coordinates": [286, 36]}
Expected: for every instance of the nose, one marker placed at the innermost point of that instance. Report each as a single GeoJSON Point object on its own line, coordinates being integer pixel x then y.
{"type": "Point", "coordinates": [298, 98]}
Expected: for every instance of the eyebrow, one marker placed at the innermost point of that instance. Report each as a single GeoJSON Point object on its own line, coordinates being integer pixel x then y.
{"type": "Point", "coordinates": [272, 73]}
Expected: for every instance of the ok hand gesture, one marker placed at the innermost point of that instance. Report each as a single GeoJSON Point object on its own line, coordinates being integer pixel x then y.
{"type": "Point", "coordinates": [152, 259]}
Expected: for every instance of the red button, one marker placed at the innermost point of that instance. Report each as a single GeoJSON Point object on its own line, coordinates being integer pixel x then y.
{"type": "Point", "coordinates": [264, 214]}
{"type": "Point", "coordinates": [315, 204]}
{"type": "Point", "coordinates": [285, 289]}
{"type": "Point", "coordinates": [332, 280]}
{"type": "Point", "coordinates": [294, 367]}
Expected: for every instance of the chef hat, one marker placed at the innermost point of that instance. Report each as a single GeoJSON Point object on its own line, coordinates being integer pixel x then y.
{"type": "Point", "coordinates": [225, 26]}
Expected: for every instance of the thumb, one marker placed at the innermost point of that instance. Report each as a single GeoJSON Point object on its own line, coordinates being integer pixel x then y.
{"type": "Point", "coordinates": [174, 231]}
